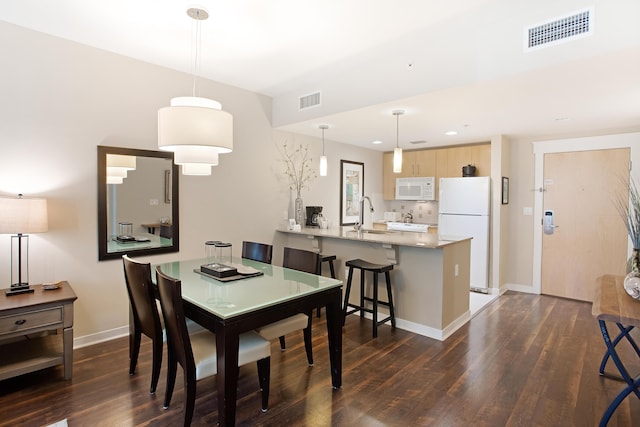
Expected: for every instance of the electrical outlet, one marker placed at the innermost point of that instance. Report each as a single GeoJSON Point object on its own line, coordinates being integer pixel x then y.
{"type": "Point", "coordinates": [456, 270]}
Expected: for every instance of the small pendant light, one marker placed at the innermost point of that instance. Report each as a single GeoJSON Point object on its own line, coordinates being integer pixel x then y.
{"type": "Point", "coordinates": [323, 158]}
{"type": "Point", "coordinates": [397, 152]}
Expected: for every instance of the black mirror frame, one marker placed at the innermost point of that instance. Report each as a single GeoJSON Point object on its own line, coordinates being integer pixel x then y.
{"type": "Point", "coordinates": [103, 253]}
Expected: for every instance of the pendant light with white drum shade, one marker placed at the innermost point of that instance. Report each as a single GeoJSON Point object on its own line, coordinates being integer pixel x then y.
{"type": "Point", "coordinates": [195, 129]}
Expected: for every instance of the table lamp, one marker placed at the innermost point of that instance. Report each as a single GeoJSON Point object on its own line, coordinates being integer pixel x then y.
{"type": "Point", "coordinates": [18, 216]}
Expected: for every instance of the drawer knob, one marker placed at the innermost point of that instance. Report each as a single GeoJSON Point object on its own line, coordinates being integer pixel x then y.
{"type": "Point", "coordinates": [21, 322]}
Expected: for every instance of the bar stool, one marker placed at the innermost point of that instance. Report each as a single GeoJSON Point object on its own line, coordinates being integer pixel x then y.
{"type": "Point", "coordinates": [329, 259]}
{"type": "Point", "coordinates": [376, 269]}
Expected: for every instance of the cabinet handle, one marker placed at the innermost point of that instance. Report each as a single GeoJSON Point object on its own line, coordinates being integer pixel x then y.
{"type": "Point", "coordinates": [21, 322]}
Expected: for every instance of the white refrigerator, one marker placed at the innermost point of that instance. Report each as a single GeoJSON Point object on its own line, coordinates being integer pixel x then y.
{"type": "Point", "coordinates": [464, 210]}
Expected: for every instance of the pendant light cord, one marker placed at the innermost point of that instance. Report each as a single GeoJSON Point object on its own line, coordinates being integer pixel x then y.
{"type": "Point", "coordinates": [195, 43]}
{"type": "Point", "coordinates": [397, 130]}
{"type": "Point", "coordinates": [323, 141]}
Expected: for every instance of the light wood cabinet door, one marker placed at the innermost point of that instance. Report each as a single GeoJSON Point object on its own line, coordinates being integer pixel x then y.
{"type": "Point", "coordinates": [425, 163]}
{"type": "Point", "coordinates": [481, 157]}
{"type": "Point", "coordinates": [477, 155]}
{"type": "Point", "coordinates": [388, 177]}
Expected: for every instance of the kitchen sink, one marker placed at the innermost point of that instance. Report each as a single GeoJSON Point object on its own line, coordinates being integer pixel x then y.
{"type": "Point", "coordinates": [372, 231]}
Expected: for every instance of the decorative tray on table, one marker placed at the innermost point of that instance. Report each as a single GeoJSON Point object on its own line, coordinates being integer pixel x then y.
{"type": "Point", "coordinates": [227, 273]}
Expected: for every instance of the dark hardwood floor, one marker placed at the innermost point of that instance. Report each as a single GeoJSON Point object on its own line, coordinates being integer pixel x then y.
{"type": "Point", "coordinates": [526, 360]}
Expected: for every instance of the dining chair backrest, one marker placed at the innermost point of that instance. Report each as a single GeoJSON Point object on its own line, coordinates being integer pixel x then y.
{"type": "Point", "coordinates": [166, 231]}
{"type": "Point", "coordinates": [170, 292]}
{"type": "Point", "coordinates": [141, 295]}
{"type": "Point", "coordinates": [257, 251]}
{"type": "Point", "coordinates": [302, 260]}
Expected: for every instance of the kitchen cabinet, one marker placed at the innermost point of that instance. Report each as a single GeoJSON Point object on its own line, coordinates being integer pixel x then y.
{"type": "Point", "coordinates": [439, 162]}
{"type": "Point", "coordinates": [388, 177]}
{"type": "Point", "coordinates": [414, 163]}
{"type": "Point", "coordinates": [477, 155]}
{"type": "Point", "coordinates": [418, 163]}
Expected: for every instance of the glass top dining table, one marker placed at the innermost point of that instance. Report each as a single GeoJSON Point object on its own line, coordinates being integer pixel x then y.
{"type": "Point", "coordinates": [230, 307]}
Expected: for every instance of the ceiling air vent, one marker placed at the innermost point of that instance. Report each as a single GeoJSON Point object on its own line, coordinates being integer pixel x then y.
{"type": "Point", "coordinates": [309, 101]}
{"type": "Point", "coordinates": [566, 28]}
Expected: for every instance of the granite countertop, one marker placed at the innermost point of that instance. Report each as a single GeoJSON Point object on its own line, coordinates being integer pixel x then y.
{"type": "Point", "coordinates": [400, 238]}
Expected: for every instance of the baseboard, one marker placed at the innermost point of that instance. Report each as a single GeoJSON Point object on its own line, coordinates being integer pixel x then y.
{"type": "Point", "coordinates": [99, 337]}
{"type": "Point", "coordinates": [427, 331]}
{"type": "Point", "coordinates": [528, 289]}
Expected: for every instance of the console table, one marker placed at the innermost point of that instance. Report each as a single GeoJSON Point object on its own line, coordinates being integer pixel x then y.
{"type": "Point", "coordinates": [29, 331]}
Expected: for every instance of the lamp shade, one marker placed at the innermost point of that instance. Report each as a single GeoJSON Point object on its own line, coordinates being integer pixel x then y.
{"type": "Point", "coordinates": [121, 161]}
{"type": "Point", "coordinates": [198, 124]}
{"type": "Point", "coordinates": [20, 215]}
{"type": "Point", "coordinates": [323, 165]}
{"type": "Point", "coordinates": [197, 169]}
{"type": "Point", "coordinates": [397, 160]}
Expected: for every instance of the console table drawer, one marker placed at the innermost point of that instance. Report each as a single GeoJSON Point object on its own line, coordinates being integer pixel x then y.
{"type": "Point", "coordinates": [31, 320]}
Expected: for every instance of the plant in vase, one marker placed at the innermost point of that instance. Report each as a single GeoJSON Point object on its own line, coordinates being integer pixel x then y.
{"type": "Point", "coordinates": [300, 173]}
{"type": "Point", "coordinates": [629, 208]}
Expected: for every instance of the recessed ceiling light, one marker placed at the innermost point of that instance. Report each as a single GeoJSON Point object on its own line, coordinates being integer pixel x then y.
{"type": "Point", "coordinates": [376, 142]}
{"type": "Point", "coordinates": [451, 133]}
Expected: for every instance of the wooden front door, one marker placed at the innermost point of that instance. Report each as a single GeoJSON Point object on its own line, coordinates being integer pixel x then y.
{"type": "Point", "coordinates": [581, 188]}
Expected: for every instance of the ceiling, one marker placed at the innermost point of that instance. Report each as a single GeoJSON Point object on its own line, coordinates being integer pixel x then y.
{"type": "Point", "coordinates": [451, 66]}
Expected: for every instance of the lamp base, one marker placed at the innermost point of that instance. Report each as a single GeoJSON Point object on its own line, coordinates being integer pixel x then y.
{"type": "Point", "coordinates": [17, 289]}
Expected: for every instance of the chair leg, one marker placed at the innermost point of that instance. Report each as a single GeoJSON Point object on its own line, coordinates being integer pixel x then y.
{"type": "Point", "coordinates": [190, 398]}
{"type": "Point", "coordinates": [172, 365]}
{"type": "Point", "coordinates": [391, 312]}
{"type": "Point", "coordinates": [346, 296]}
{"type": "Point", "coordinates": [264, 377]}
{"type": "Point", "coordinates": [333, 276]}
{"type": "Point", "coordinates": [157, 363]}
{"type": "Point", "coordinates": [283, 344]}
{"type": "Point", "coordinates": [362, 292]}
{"type": "Point", "coordinates": [134, 349]}
{"type": "Point", "coordinates": [375, 305]}
{"type": "Point", "coordinates": [307, 342]}
{"type": "Point", "coordinates": [333, 271]}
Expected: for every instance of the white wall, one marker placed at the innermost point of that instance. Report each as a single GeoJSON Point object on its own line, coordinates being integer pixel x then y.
{"type": "Point", "coordinates": [59, 100]}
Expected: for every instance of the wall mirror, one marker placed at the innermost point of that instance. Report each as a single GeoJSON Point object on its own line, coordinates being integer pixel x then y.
{"type": "Point", "coordinates": [137, 202]}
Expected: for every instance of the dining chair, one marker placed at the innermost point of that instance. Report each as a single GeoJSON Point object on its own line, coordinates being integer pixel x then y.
{"type": "Point", "coordinates": [146, 319]}
{"type": "Point", "coordinates": [166, 231]}
{"type": "Point", "coordinates": [263, 252]}
{"type": "Point", "coordinates": [196, 353]}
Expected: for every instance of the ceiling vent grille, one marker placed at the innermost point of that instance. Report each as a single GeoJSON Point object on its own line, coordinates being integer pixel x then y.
{"type": "Point", "coordinates": [309, 101]}
{"type": "Point", "coordinates": [560, 30]}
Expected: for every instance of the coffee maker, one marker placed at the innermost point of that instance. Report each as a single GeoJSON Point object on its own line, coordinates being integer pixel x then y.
{"type": "Point", "coordinates": [312, 216]}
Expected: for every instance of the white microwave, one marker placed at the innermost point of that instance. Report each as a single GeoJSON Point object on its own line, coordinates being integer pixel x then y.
{"type": "Point", "coordinates": [416, 188]}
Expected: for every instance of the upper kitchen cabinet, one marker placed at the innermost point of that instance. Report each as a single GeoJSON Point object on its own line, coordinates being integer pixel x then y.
{"type": "Point", "coordinates": [418, 163]}
{"type": "Point", "coordinates": [478, 155]}
{"type": "Point", "coordinates": [414, 163]}
{"type": "Point", "coordinates": [388, 177]}
{"type": "Point", "coordinates": [437, 162]}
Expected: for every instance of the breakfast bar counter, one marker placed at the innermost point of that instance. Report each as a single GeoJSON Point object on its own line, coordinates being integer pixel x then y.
{"type": "Point", "coordinates": [430, 279]}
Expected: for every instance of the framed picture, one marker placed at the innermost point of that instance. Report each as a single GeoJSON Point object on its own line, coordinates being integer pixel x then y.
{"type": "Point", "coordinates": [505, 190]}
{"type": "Point", "coordinates": [351, 189]}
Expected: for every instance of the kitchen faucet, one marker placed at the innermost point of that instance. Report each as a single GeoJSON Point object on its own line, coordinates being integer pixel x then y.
{"type": "Point", "coordinates": [358, 225]}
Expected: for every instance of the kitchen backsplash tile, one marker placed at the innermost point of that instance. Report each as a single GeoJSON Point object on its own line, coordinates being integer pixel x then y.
{"type": "Point", "coordinates": [423, 212]}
